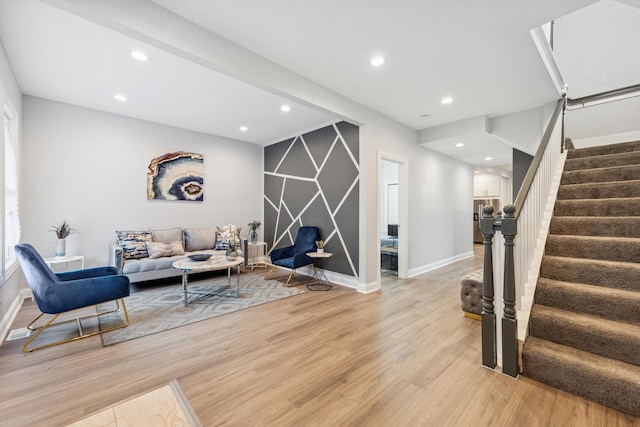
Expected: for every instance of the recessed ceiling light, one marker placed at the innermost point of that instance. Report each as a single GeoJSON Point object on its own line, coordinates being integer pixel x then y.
{"type": "Point", "coordinates": [459, 144]}
{"type": "Point", "coordinates": [139, 55]}
{"type": "Point", "coordinates": [377, 61]}
{"type": "Point", "coordinates": [120, 97]}
{"type": "Point", "coordinates": [488, 158]}
{"type": "Point", "coordinates": [446, 100]}
{"type": "Point", "coordinates": [244, 128]}
{"type": "Point", "coordinates": [285, 108]}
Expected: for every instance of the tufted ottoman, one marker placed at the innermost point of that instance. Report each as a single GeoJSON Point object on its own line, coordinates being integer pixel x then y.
{"type": "Point", "coordinates": [471, 294]}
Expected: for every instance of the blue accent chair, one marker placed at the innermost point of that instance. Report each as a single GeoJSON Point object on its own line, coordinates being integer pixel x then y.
{"type": "Point", "coordinates": [58, 293]}
{"type": "Point", "coordinates": [293, 257]}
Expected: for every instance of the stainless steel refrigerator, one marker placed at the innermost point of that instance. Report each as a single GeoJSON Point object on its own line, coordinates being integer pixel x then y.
{"type": "Point", "coordinates": [478, 204]}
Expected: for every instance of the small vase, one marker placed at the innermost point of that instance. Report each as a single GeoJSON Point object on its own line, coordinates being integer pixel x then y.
{"type": "Point", "coordinates": [231, 254]}
{"type": "Point", "coordinates": [253, 237]}
{"type": "Point", "coordinates": [320, 250]}
{"type": "Point", "coordinates": [61, 248]}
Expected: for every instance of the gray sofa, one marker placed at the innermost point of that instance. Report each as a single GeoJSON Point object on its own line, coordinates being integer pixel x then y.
{"type": "Point", "coordinates": [149, 254]}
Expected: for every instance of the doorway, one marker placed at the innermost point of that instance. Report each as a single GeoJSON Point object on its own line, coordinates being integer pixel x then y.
{"type": "Point", "coordinates": [392, 201]}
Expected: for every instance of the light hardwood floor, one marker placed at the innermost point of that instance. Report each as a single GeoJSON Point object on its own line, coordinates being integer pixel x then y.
{"type": "Point", "coordinates": [405, 356]}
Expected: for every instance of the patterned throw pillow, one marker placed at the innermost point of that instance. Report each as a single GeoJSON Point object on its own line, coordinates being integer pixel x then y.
{"type": "Point", "coordinates": [227, 234]}
{"type": "Point", "coordinates": [134, 243]}
{"type": "Point", "coordinates": [159, 249]}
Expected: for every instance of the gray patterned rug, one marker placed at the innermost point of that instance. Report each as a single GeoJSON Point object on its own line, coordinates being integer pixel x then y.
{"type": "Point", "coordinates": [160, 308]}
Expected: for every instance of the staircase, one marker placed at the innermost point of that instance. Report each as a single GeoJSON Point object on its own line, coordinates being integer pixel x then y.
{"type": "Point", "coordinates": [585, 321]}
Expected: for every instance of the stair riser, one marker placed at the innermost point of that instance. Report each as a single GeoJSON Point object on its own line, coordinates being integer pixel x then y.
{"type": "Point", "coordinates": [625, 173]}
{"type": "Point", "coordinates": [623, 147]}
{"type": "Point", "coordinates": [582, 381]}
{"type": "Point", "coordinates": [608, 250]}
{"type": "Point", "coordinates": [565, 332]}
{"type": "Point", "coordinates": [597, 207]}
{"type": "Point", "coordinates": [621, 159]}
{"type": "Point", "coordinates": [623, 276]}
{"type": "Point", "coordinates": [595, 226]}
{"type": "Point", "coordinates": [580, 299]}
{"type": "Point", "coordinates": [599, 190]}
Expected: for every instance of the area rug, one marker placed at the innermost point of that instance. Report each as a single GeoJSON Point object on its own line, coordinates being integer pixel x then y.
{"type": "Point", "coordinates": [160, 308]}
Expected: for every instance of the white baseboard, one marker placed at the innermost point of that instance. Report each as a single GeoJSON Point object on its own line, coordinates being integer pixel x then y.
{"type": "Point", "coordinates": [607, 139]}
{"type": "Point", "coordinates": [7, 321]}
{"type": "Point", "coordinates": [441, 263]}
{"type": "Point", "coordinates": [343, 280]}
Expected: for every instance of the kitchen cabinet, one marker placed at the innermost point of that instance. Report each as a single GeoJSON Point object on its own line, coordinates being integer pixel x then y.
{"type": "Point", "coordinates": [484, 186]}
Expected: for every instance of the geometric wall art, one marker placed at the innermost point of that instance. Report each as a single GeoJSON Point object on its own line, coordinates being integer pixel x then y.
{"type": "Point", "coordinates": [313, 179]}
{"type": "Point", "coordinates": [176, 176]}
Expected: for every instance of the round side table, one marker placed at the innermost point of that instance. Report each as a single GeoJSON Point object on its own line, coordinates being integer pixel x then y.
{"type": "Point", "coordinates": [319, 279]}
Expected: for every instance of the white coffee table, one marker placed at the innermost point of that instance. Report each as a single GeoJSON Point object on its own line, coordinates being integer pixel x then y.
{"type": "Point", "coordinates": [214, 263]}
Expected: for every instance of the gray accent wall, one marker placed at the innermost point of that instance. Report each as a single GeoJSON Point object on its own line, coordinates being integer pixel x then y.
{"type": "Point", "coordinates": [521, 163]}
{"type": "Point", "coordinates": [314, 179]}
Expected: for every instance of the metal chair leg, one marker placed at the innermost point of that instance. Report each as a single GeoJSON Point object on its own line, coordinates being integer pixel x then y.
{"type": "Point", "coordinates": [51, 323]}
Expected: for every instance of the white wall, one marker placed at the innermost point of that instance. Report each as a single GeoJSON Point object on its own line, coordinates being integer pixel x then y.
{"type": "Point", "coordinates": [90, 167]}
{"type": "Point", "coordinates": [389, 174]}
{"type": "Point", "coordinates": [10, 290]}
{"type": "Point", "coordinates": [451, 180]}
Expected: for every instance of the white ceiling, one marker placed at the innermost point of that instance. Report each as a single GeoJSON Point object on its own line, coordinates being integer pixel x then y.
{"type": "Point", "coordinates": [478, 52]}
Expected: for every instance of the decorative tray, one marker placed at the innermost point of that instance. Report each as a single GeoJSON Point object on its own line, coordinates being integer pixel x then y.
{"type": "Point", "coordinates": [199, 257]}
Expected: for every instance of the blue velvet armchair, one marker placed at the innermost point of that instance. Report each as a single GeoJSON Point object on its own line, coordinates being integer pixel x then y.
{"type": "Point", "coordinates": [293, 257]}
{"type": "Point", "coordinates": [57, 293]}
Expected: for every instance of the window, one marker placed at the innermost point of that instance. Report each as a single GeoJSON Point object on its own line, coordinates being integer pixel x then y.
{"type": "Point", "coordinates": [10, 195]}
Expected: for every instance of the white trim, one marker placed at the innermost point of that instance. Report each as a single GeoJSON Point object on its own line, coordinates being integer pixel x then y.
{"type": "Point", "coordinates": [441, 263]}
{"type": "Point", "coordinates": [606, 139]}
{"type": "Point", "coordinates": [7, 320]}
{"type": "Point", "coordinates": [549, 60]}
{"type": "Point", "coordinates": [341, 280]}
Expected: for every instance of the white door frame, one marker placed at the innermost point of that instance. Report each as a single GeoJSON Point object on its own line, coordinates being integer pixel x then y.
{"type": "Point", "coordinates": [403, 208]}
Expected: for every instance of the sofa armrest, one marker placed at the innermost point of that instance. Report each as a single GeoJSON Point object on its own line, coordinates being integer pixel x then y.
{"type": "Point", "coordinates": [116, 257]}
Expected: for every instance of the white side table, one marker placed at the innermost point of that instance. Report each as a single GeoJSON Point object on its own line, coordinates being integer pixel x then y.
{"type": "Point", "coordinates": [51, 262]}
{"type": "Point", "coordinates": [256, 255]}
{"type": "Point", "coordinates": [321, 282]}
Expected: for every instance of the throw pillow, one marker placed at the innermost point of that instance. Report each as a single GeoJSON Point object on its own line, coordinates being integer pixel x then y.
{"type": "Point", "coordinates": [167, 235]}
{"type": "Point", "coordinates": [228, 234]}
{"type": "Point", "coordinates": [134, 243]}
{"type": "Point", "coordinates": [199, 239]}
{"type": "Point", "coordinates": [159, 249]}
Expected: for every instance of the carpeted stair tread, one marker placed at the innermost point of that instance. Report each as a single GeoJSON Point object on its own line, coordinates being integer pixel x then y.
{"type": "Point", "coordinates": [624, 249]}
{"type": "Point", "coordinates": [615, 226]}
{"type": "Point", "coordinates": [617, 340]}
{"type": "Point", "coordinates": [615, 173]}
{"type": "Point", "coordinates": [607, 381]}
{"type": "Point", "coordinates": [600, 190]}
{"type": "Point", "coordinates": [610, 303]}
{"type": "Point", "coordinates": [585, 321]}
{"type": "Point", "coordinates": [598, 207]}
{"type": "Point", "coordinates": [603, 161]}
{"type": "Point", "coordinates": [621, 275]}
{"type": "Point", "coordinates": [623, 147]}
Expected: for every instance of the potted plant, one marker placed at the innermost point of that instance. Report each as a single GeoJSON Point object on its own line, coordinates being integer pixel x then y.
{"type": "Point", "coordinates": [320, 245]}
{"type": "Point", "coordinates": [253, 235]}
{"type": "Point", "coordinates": [62, 231]}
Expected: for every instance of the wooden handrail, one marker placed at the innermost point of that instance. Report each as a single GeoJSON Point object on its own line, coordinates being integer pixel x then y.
{"type": "Point", "coordinates": [533, 167]}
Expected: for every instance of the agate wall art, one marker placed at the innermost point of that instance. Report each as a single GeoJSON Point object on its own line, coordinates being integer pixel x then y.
{"type": "Point", "coordinates": [176, 176]}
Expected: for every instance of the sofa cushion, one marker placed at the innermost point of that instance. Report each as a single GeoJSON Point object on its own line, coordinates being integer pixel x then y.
{"type": "Point", "coordinates": [227, 234]}
{"type": "Point", "coordinates": [199, 239]}
{"type": "Point", "coordinates": [167, 235]}
{"type": "Point", "coordinates": [159, 249]}
{"type": "Point", "coordinates": [133, 243]}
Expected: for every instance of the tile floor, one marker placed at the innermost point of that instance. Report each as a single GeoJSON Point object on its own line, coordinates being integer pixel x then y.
{"type": "Point", "coordinates": [159, 408]}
